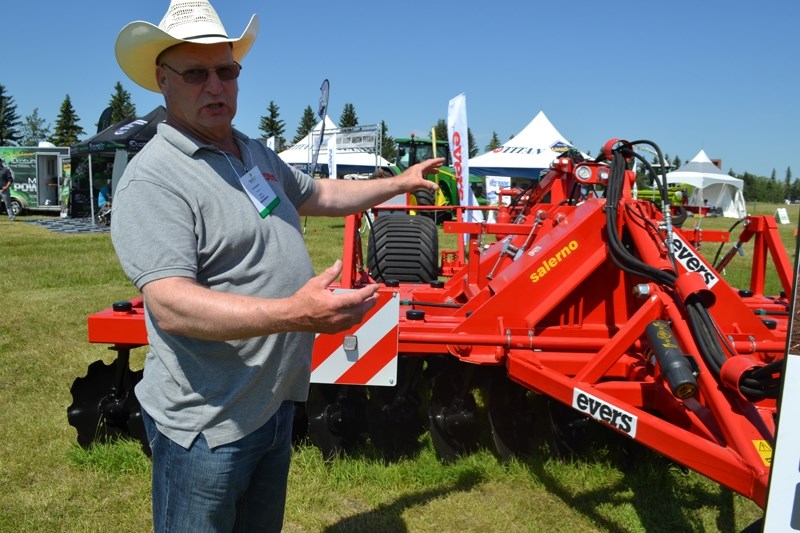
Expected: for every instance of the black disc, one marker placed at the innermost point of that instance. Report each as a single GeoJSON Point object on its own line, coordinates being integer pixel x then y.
{"type": "Point", "coordinates": [101, 410]}
{"type": "Point", "coordinates": [394, 415]}
{"type": "Point", "coordinates": [394, 421]}
{"type": "Point", "coordinates": [336, 418]}
{"type": "Point", "coordinates": [511, 409]}
{"type": "Point", "coordinates": [569, 430]}
{"type": "Point", "coordinates": [453, 415]}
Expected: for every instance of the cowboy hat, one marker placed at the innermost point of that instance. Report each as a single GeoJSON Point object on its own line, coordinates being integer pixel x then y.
{"type": "Point", "coordinates": [186, 21]}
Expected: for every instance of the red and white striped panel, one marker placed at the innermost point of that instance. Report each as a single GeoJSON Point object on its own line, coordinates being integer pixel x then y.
{"type": "Point", "coordinates": [366, 354]}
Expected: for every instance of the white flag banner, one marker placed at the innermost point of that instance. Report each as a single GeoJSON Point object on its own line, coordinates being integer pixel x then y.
{"type": "Point", "coordinates": [458, 137]}
{"type": "Point", "coordinates": [271, 143]}
{"type": "Point", "coordinates": [332, 157]}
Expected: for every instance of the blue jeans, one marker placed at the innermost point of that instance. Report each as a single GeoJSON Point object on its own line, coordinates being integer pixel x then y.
{"type": "Point", "coordinates": [6, 195]}
{"type": "Point", "coordinates": [240, 486]}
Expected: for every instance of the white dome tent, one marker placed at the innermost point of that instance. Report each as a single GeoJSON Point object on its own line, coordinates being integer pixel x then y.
{"type": "Point", "coordinates": [526, 154]}
{"type": "Point", "coordinates": [722, 191]}
{"type": "Point", "coordinates": [361, 159]}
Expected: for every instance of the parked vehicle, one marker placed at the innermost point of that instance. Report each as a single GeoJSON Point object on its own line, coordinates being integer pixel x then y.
{"type": "Point", "coordinates": [39, 173]}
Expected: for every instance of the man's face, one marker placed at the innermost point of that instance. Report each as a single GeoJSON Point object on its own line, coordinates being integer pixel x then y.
{"type": "Point", "coordinates": [205, 109]}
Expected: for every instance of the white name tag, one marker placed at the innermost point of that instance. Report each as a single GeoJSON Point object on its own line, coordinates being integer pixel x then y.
{"type": "Point", "coordinates": [259, 192]}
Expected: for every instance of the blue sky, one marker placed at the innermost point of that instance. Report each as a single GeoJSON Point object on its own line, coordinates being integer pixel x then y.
{"type": "Point", "coordinates": [712, 75]}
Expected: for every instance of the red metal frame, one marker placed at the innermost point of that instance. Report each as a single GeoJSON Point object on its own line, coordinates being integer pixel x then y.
{"type": "Point", "coordinates": [565, 321]}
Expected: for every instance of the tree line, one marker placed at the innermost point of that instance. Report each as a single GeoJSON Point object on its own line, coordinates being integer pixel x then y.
{"type": "Point", "coordinates": [33, 129]}
{"type": "Point", "coordinates": [755, 188]}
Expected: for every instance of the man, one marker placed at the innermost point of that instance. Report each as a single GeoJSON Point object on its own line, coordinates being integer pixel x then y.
{"type": "Point", "coordinates": [6, 182]}
{"type": "Point", "coordinates": [207, 226]}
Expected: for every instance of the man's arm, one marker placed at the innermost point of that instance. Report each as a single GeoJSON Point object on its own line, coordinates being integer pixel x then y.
{"type": "Point", "coordinates": [345, 197]}
{"type": "Point", "coordinates": [181, 306]}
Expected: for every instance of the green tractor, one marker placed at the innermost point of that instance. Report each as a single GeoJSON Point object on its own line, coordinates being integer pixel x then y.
{"type": "Point", "coordinates": [413, 150]}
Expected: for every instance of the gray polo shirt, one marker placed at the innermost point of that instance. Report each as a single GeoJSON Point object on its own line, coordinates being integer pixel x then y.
{"type": "Point", "coordinates": [180, 210]}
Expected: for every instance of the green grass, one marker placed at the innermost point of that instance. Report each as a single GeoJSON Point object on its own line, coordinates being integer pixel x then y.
{"type": "Point", "coordinates": [52, 282]}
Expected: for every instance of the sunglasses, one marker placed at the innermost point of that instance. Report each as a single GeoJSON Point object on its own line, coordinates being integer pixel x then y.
{"type": "Point", "coordinates": [200, 75]}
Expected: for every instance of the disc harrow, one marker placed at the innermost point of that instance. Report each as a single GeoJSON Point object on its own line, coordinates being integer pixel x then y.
{"type": "Point", "coordinates": [580, 307]}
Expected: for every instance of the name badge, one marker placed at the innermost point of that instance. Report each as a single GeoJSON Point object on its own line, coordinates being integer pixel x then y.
{"type": "Point", "coordinates": [259, 192]}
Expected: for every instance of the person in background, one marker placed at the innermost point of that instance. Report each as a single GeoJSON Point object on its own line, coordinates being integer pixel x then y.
{"type": "Point", "coordinates": [66, 188]}
{"type": "Point", "coordinates": [6, 182]}
{"type": "Point", "coordinates": [207, 225]}
{"type": "Point", "coordinates": [104, 196]}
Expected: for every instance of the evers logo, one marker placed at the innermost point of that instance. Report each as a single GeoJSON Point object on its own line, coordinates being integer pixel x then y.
{"type": "Point", "coordinates": [686, 256]}
{"type": "Point", "coordinates": [604, 412]}
{"type": "Point", "coordinates": [458, 164]}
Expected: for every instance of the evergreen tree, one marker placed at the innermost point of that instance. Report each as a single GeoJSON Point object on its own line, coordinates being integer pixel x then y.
{"type": "Point", "coordinates": [121, 105]}
{"type": "Point", "coordinates": [272, 126]}
{"type": "Point", "coordinates": [494, 142]}
{"type": "Point", "coordinates": [440, 129]}
{"type": "Point", "coordinates": [348, 118]}
{"type": "Point", "coordinates": [473, 147]}
{"type": "Point", "coordinates": [9, 120]}
{"type": "Point", "coordinates": [388, 145]}
{"type": "Point", "coordinates": [67, 128]}
{"type": "Point", "coordinates": [307, 124]}
{"type": "Point", "coordinates": [676, 162]}
{"type": "Point", "coordinates": [34, 129]}
{"type": "Point", "coordinates": [773, 176]}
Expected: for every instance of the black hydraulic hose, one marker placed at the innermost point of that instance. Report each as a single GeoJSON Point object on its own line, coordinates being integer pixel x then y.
{"type": "Point", "coordinates": [756, 384]}
{"type": "Point", "coordinates": [619, 254]}
{"type": "Point", "coordinates": [716, 261]}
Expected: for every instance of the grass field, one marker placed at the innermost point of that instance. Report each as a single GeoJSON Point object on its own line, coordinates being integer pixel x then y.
{"type": "Point", "coordinates": [51, 282]}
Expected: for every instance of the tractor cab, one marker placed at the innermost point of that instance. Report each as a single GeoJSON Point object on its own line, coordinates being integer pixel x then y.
{"type": "Point", "coordinates": [412, 150]}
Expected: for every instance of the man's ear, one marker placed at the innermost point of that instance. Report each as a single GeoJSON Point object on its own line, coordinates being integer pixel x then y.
{"type": "Point", "coordinates": [161, 78]}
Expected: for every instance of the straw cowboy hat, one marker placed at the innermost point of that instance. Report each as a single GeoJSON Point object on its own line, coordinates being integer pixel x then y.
{"type": "Point", "coordinates": [186, 21]}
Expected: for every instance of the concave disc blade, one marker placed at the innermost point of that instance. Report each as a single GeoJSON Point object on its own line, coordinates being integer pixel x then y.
{"type": "Point", "coordinates": [394, 422]}
{"type": "Point", "coordinates": [511, 409]}
{"type": "Point", "coordinates": [452, 414]}
{"type": "Point", "coordinates": [336, 418]}
{"type": "Point", "coordinates": [100, 411]}
{"type": "Point", "coordinates": [569, 429]}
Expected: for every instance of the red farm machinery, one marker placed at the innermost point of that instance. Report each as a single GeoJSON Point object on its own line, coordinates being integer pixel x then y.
{"type": "Point", "coordinates": [579, 307]}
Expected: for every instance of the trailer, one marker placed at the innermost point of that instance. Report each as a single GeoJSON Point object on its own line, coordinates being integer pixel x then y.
{"type": "Point", "coordinates": [41, 174]}
{"type": "Point", "coordinates": [580, 307]}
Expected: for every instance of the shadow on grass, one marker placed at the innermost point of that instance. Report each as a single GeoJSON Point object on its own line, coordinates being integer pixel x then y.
{"type": "Point", "coordinates": [664, 495]}
{"type": "Point", "coordinates": [388, 518]}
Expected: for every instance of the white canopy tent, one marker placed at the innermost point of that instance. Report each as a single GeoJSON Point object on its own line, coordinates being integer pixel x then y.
{"type": "Point", "coordinates": [526, 154]}
{"type": "Point", "coordinates": [349, 160]}
{"type": "Point", "coordinates": [722, 191]}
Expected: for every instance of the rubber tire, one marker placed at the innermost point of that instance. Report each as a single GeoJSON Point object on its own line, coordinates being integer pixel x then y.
{"type": "Point", "coordinates": [424, 197]}
{"type": "Point", "coordinates": [680, 217]}
{"type": "Point", "coordinates": [16, 207]}
{"type": "Point", "coordinates": [404, 248]}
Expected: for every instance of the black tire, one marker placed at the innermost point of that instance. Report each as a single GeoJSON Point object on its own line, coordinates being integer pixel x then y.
{"type": "Point", "coordinates": [680, 216]}
{"type": "Point", "coordinates": [16, 207]}
{"type": "Point", "coordinates": [426, 197]}
{"type": "Point", "coordinates": [404, 248]}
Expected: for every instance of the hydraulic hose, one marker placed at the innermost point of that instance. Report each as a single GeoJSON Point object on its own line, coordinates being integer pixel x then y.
{"type": "Point", "coordinates": [761, 382]}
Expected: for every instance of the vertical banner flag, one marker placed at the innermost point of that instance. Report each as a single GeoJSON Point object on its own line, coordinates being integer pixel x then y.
{"type": "Point", "coordinates": [271, 143]}
{"type": "Point", "coordinates": [458, 137]}
{"type": "Point", "coordinates": [321, 112]}
{"type": "Point", "coordinates": [332, 157]}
